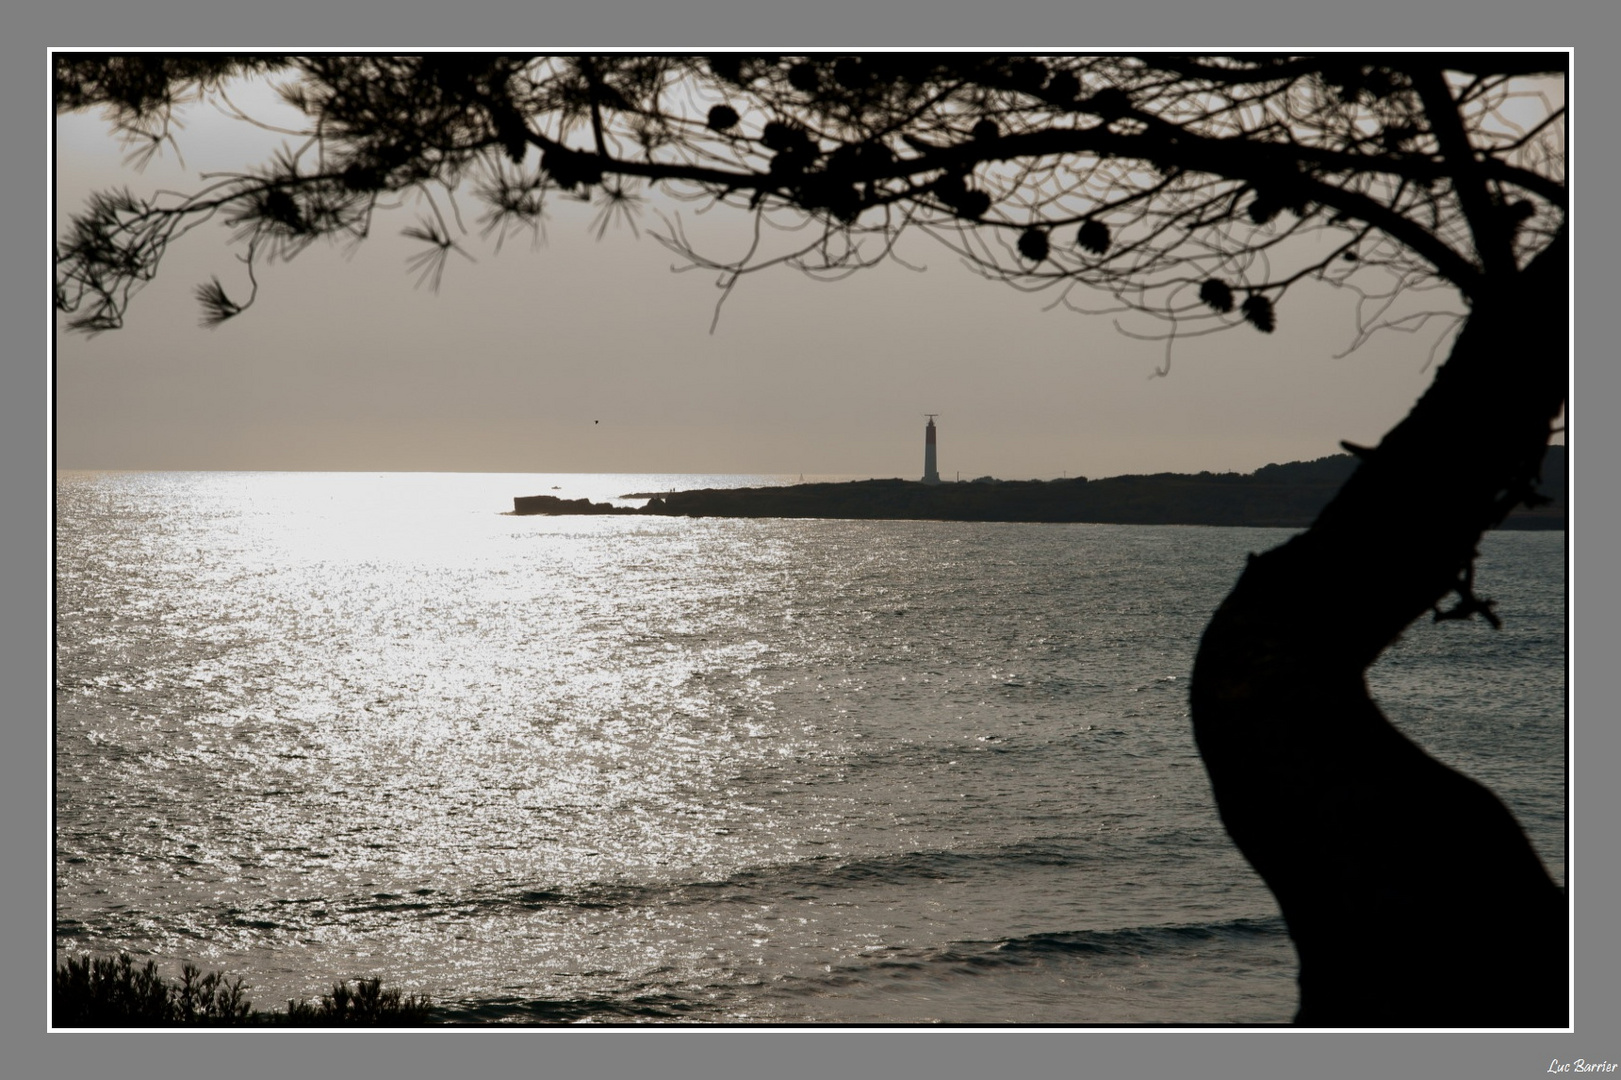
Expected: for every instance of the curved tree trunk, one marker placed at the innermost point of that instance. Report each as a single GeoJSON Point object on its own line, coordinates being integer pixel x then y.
{"type": "Point", "coordinates": [1412, 895]}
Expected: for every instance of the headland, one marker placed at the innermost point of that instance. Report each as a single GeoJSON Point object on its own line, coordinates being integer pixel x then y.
{"type": "Point", "coordinates": [1278, 496]}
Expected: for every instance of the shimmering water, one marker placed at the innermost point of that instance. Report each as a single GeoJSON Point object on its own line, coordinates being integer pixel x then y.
{"type": "Point", "coordinates": [322, 726]}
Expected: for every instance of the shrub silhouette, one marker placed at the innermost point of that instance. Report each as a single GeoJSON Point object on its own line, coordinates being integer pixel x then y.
{"type": "Point", "coordinates": [114, 992]}
{"type": "Point", "coordinates": [368, 1004]}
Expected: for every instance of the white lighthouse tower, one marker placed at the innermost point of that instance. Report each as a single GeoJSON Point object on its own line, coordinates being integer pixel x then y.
{"type": "Point", "coordinates": [931, 473]}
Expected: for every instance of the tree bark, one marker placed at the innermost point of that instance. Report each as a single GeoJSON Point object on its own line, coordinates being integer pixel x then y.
{"type": "Point", "coordinates": [1412, 895]}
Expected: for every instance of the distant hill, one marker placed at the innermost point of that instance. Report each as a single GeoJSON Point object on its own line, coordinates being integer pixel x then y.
{"type": "Point", "coordinates": [1280, 496]}
{"type": "Point", "coordinates": [1337, 468]}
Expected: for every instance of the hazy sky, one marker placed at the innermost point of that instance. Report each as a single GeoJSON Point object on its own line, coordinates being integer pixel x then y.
{"type": "Point", "coordinates": [594, 356]}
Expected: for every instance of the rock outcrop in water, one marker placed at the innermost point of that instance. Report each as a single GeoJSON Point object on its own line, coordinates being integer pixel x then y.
{"type": "Point", "coordinates": [551, 504]}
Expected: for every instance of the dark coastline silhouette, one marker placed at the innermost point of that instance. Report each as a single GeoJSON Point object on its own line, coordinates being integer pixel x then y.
{"type": "Point", "coordinates": [1279, 496]}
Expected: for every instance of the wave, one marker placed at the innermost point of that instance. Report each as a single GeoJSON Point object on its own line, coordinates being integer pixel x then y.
{"type": "Point", "coordinates": [753, 885]}
{"type": "Point", "coordinates": [1232, 971]}
{"type": "Point", "coordinates": [883, 988]}
{"type": "Point", "coordinates": [1125, 943]}
{"type": "Point", "coordinates": [805, 879]}
{"type": "Point", "coordinates": [507, 1009]}
{"type": "Point", "coordinates": [818, 875]}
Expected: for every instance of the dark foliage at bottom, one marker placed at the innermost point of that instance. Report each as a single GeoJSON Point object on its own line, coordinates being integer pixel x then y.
{"type": "Point", "coordinates": [108, 992]}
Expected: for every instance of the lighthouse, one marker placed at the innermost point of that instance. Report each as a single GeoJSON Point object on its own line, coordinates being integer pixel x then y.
{"type": "Point", "coordinates": [931, 473]}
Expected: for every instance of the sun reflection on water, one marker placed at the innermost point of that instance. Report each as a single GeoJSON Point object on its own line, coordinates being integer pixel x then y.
{"type": "Point", "coordinates": [330, 725]}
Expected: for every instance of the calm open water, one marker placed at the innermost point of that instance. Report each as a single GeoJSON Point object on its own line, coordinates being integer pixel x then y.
{"type": "Point", "coordinates": [322, 726]}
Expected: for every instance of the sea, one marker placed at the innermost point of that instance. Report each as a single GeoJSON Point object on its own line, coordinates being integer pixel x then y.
{"type": "Point", "coordinates": [313, 727]}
